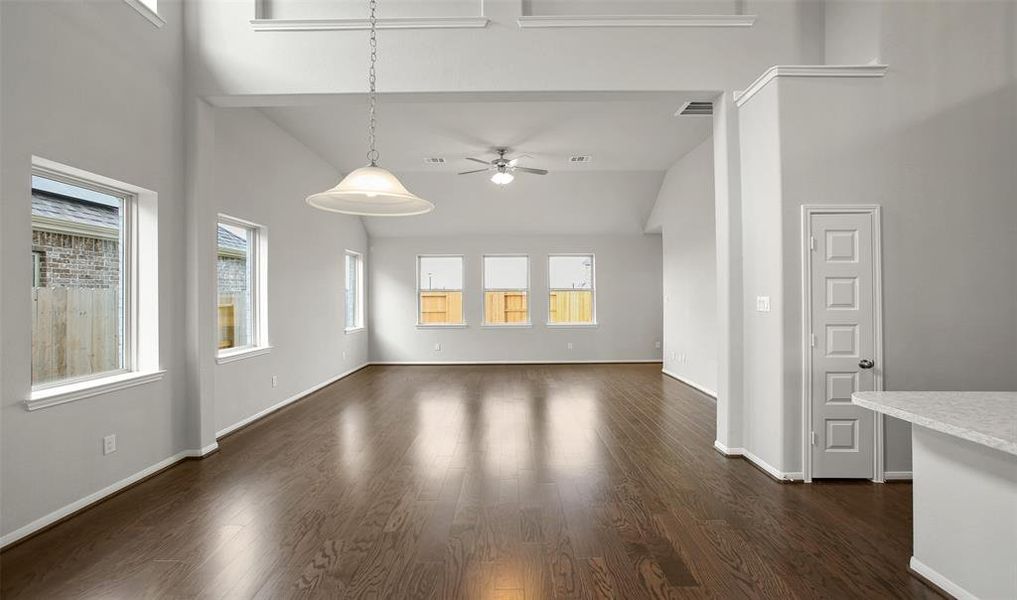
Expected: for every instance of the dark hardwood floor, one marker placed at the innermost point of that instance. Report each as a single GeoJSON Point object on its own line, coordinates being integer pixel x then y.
{"type": "Point", "coordinates": [501, 482]}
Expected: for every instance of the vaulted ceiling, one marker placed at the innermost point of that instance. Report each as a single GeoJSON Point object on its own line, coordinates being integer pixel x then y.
{"type": "Point", "coordinates": [632, 139]}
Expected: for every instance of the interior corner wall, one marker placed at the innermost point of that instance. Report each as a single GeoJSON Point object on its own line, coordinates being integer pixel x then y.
{"type": "Point", "coordinates": [628, 301]}
{"type": "Point", "coordinates": [684, 211]}
{"type": "Point", "coordinates": [262, 174]}
{"type": "Point", "coordinates": [938, 156]}
{"type": "Point", "coordinates": [96, 86]}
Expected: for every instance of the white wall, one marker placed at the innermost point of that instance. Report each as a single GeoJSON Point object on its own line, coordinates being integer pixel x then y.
{"type": "Point", "coordinates": [96, 86]}
{"type": "Point", "coordinates": [240, 62]}
{"type": "Point", "coordinates": [263, 175]}
{"type": "Point", "coordinates": [684, 212]}
{"type": "Point", "coordinates": [628, 282]}
{"type": "Point", "coordinates": [762, 345]}
{"type": "Point", "coordinates": [932, 143]}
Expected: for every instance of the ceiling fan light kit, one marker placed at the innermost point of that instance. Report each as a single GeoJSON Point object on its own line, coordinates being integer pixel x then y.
{"type": "Point", "coordinates": [502, 177]}
{"type": "Point", "coordinates": [371, 191]}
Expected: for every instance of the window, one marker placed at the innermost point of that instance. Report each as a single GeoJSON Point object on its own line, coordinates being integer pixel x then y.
{"type": "Point", "coordinates": [240, 264]}
{"type": "Point", "coordinates": [571, 285]}
{"type": "Point", "coordinates": [506, 290]}
{"type": "Point", "coordinates": [148, 9]}
{"type": "Point", "coordinates": [440, 290]}
{"type": "Point", "coordinates": [94, 284]}
{"type": "Point", "coordinates": [354, 291]}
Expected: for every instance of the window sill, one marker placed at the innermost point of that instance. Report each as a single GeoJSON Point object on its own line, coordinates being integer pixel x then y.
{"type": "Point", "coordinates": [86, 389]}
{"type": "Point", "coordinates": [355, 330]}
{"type": "Point", "coordinates": [572, 325]}
{"type": "Point", "coordinates": [507, 326]}
{"type": "Point", "coordinates": [146, 12]}
{"type": "Point", "coordinates": [443, 326]}
{"type": "Point", "coordinates": [242, 353]}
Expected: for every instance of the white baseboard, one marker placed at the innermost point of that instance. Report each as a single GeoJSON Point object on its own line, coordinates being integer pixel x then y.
{"type": "Point", "coordinates": [690, 383]}
{"type": "Point", "coordinates": [728, 451]}
{"type": "Point", "coordinates": [767, 468]}
{"type": "Point", "coordinates": [271, 409]}
{"type": "Point", "coordinates": [897, 476]}
{"type": "Point", "coordinates": [940, 581]}
{"type": "Point", "coordinates": [437, 363]}
{"type": "Point", "coordinates": [109, 490]}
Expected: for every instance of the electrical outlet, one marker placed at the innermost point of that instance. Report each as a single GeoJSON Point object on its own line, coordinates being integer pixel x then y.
{"type": "Point", "coordinates": [109, 444]}
{"type": "Point", "coordinates": [275, 380]}
{"type": "Point", "coordinates": [570, 346]}
{"type": "Point", "coordinates": [344, 355]}
{"type": "Point", "coordinates": [762, 304]}
{"type": "Point", "coordinates": [656, 344]}
{"type": "Point", "coordinates": [674, 356]}
{"type": "Point", "coordinates": [437, 347]}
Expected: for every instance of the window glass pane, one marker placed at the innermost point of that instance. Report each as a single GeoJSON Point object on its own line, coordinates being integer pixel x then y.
{"type": "Point", "coordinates": [571, 272]}
{"type": "Point", "coordinates": [234, 264]}
{"type": "Point", "coordinates": [353, 291]}
{"type": "Point", "coordinates": [505, 272]}
{"type": "Point", "coordinates": [441, 284]}
{"type": "Point", "coordinates": [77, 282]}
{"type": "Point", "coordinates": [441, 272]}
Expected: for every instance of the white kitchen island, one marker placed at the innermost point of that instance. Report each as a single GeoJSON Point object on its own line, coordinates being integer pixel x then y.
{"type": "Point", "coordinates": [964, 455]}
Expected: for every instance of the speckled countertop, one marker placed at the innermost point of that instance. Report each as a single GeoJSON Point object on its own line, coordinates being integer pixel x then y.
{"type": "Point", "coordinates": [987, 418]}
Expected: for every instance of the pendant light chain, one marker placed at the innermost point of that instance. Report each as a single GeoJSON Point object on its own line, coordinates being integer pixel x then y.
{"type": "Point", "coordinates": [372, 154]}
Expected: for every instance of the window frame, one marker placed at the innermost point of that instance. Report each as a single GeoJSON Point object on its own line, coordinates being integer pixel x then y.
{"type": "Point", "coordinates": [139, 289]}
{"type": "Point", "coordinates": [149, 12]}
{"type": "Point", "coordinates": [259, 291]}
{"type": "Point", "coordinates": [529, 296]}
{"type": "Point", "coordinates": [360, 312]}
{"type": "Point", "coordinates": [462, 290]}
{"type": "Point", "coordinates": [593, 292]}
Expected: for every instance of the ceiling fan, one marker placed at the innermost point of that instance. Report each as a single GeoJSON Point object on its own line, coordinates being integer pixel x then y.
{"type": "Point", "coordinates": [503, 167]}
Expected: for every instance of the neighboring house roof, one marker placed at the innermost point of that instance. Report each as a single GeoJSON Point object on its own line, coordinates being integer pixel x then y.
{"type": "Point", "coordinates": [231, 243]}
{"type": "Point", "coordinates": [52, 212]}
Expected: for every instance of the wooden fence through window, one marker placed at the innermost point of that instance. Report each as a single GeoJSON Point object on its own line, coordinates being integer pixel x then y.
{"type": "Point", "coordinates": [75, 332]}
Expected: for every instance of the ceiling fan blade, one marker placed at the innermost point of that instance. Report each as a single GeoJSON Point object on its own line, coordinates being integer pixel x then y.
{"type": "Point", "coordinates": [513, 162]}
{"type": "Point", "coordinates": [534, 171]}
{"type": "Point", "coordinates": [476, 171]}
{"type": "Point", "coordinates": [483, 162]}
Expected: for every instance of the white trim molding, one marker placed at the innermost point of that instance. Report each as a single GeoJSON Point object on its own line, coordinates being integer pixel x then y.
{"type": "Point", "coordinates": [898, 476]}
{"type": "Point", "coordinates": [145, 11]}
{"type": "Point", "coordinates": [556, 21]}
{"type": "Point", "coordinates": [873, 70]}
{"type": "Point", "coordinates": [363, 24]}
{"type": "Point", "coordinates": [690, 383]}
{"type": "Point", "coordinates": [764, 466]}
{"type": "Point", "coordinates": [235, 354]}
{"type": "Point", "coordinates": [436, 363]}
{"type": "Point", "coordinates": [271, 409]}
{"type": "Point", "coordinates": [73, 507]}
{"type": "Point", "coordinates": [61, 394]}
{"type": "Point", "coordinates": [940, 581]}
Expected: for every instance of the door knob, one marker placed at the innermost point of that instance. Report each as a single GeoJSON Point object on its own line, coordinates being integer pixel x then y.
{"type": "Point", "coordinates": [866, 363]}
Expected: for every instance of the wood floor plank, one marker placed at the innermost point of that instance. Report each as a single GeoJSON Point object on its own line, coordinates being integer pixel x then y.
{"type": "Point", "coordinates": [516, 482]}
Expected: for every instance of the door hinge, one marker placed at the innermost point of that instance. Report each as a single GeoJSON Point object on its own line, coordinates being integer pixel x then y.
{"type": "Point", "coordinates": [812, 242]}
{"type": "Point", "coordinates": [813, 437]}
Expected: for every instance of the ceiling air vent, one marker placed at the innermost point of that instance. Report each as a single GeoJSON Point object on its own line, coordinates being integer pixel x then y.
{"type": "Point", "coordinates": [580, 158]}
{"type": "Point", "coordinates": [694, 109]}
{"type": "Point", "coordinates": [434, 160]}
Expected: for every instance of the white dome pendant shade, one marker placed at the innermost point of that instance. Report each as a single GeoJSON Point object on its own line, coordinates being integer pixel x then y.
{"type": "Point", "coordinates": [371, 192]}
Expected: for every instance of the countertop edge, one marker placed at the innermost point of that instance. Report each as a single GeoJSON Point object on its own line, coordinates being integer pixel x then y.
{"type": "Point", "coordinates": [947, 428]}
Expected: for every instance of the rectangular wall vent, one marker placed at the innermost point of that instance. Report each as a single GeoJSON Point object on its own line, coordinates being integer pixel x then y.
{"type": "Point", "coordinates": [580, 158]}
{"type": "Point", "coordinates": [434, 160]}
{"type": "Point", "coordinates": [695, 109]}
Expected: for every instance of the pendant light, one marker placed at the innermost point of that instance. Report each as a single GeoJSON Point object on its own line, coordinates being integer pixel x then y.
{"type": "Point", "coordinates": [371, 191]}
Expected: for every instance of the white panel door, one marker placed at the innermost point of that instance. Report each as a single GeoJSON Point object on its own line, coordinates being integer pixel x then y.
{"type": "Point", "coordinates": [843, 344]}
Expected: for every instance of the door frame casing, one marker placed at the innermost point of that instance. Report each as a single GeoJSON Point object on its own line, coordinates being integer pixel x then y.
{"type": "Point", "coordinates": [874, 212]}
